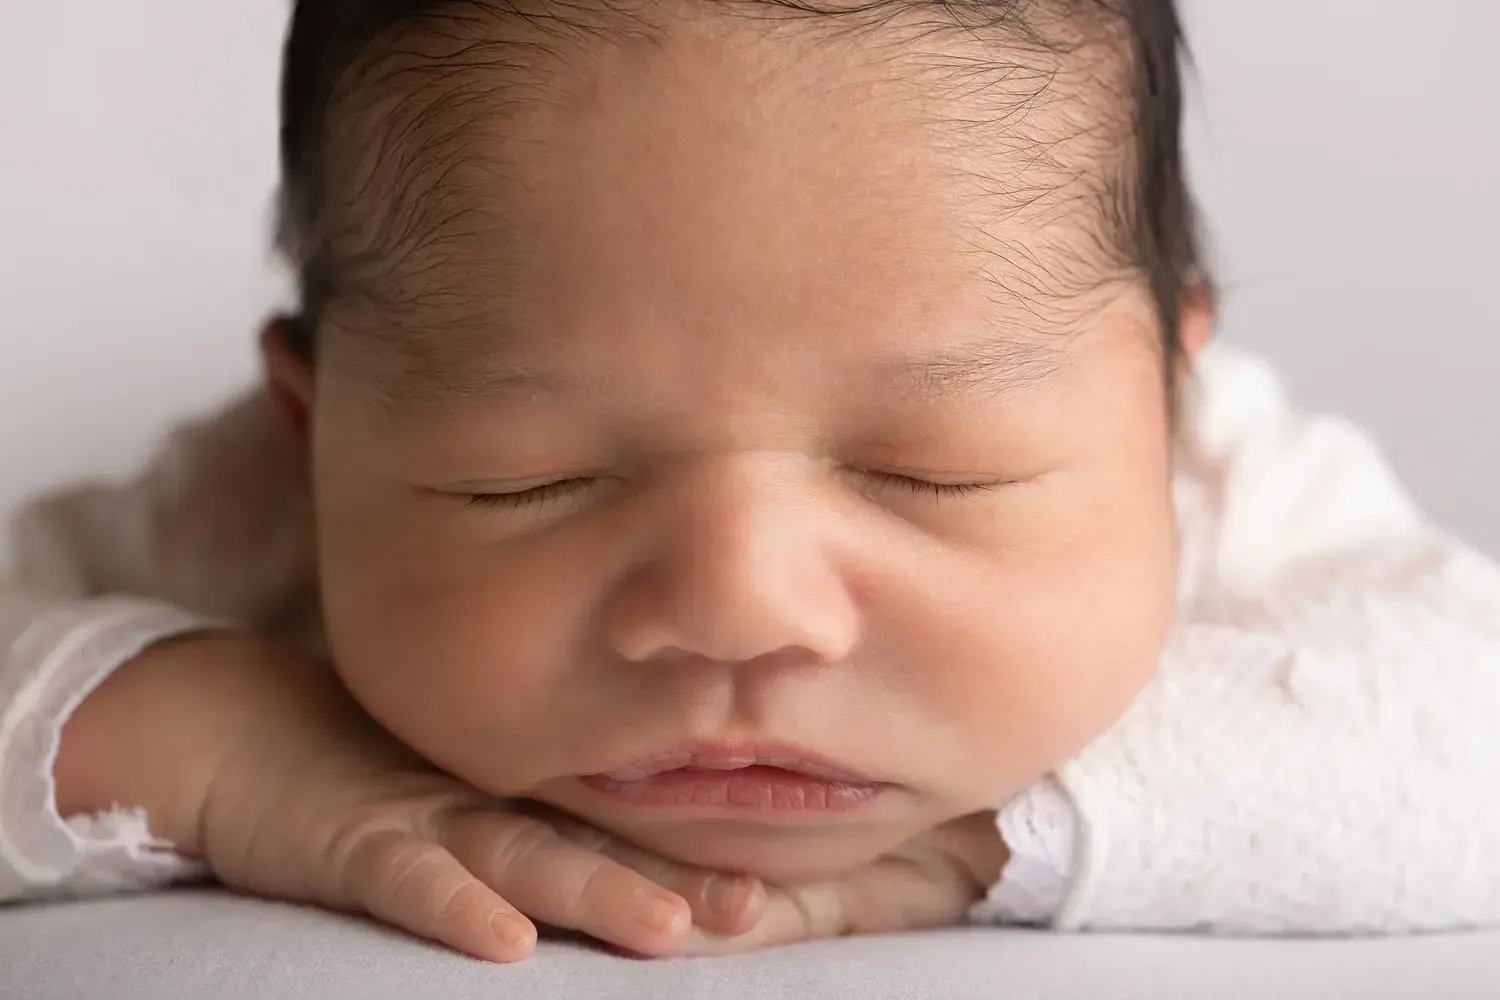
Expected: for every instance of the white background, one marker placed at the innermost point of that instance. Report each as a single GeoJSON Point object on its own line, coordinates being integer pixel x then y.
{"type": "Point", "coordinates": [1347, 153]}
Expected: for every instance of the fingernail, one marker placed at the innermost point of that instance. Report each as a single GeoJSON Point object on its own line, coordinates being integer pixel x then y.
{"type": "Point", "coordinates": [512, 930]}
{"type": "Point", "coordinates": [728, 895]}
{"type": "Point", "coordinates": [661, 914]}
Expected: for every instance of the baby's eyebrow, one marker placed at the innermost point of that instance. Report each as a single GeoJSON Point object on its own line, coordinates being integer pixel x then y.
{"type": "Point", "coordinates": [993, 367]}
{"type": "Point", "coordinates": [996, 366]}
{"type": "Point", "coordinates": [433, 384]}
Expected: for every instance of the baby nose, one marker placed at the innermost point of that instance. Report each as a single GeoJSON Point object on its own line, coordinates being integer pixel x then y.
{"type": "Point", "coordinates": [739, 581]}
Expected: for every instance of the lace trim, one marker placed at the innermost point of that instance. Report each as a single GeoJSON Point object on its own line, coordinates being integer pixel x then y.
{"type": "Point", "coordinates": [75, 651]}
{"type": "Point", "coordinates": [1039, 827]}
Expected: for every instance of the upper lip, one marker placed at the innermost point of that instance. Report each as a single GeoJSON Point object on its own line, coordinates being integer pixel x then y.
{"type": "Point", "coordinates": [733, 757]}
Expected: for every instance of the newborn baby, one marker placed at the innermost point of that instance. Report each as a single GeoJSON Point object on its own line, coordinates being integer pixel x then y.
{"type": "Point", "coordinates": [755, 472]}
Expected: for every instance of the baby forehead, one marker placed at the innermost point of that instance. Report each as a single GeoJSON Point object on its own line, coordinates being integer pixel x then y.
{"type": "Point", "coordinates": [718, 174]}
{"type": "Point", "coordinates": [708, 102]}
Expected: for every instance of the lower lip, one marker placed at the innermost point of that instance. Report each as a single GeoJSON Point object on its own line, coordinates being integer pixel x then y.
{"type": "Point", "coordinates": [748, 789]}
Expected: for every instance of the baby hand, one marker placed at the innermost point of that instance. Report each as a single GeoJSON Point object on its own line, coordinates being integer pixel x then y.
{"type": "Point", "coordinates": [928, 883]}
{"type": "Point", "coordinates": [253, 758]}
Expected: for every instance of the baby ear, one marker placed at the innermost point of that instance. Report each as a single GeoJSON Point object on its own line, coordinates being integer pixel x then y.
{"type": "Point", "coordinates": [1196, 319]}
{"type": "Point", "coordinates": [288, 375]}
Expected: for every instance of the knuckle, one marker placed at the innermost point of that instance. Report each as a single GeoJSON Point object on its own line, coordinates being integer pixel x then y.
{"type": "Point", "coordinates": [414, 871]}
{"type": "Point", "coordinates": [565, 828]}
{"type": "Point", "coordinates": [523, 841]}
{"type": "Point", "coordinates": [582, 885]}
{"type": "Point", "coordinates": [399, 876]}
{"type": "Point", "coordinates": [821, 913]}
{"type": "Point", "coordinates": [587, 837]}
{"type": "Point", "coordinates": [351, 863]}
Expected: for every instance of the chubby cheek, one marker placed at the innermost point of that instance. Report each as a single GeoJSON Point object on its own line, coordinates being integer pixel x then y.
{"type": "Point", "coordinates": [1035, 651]}
{"type": "Point", "coordinates": [471, 658]}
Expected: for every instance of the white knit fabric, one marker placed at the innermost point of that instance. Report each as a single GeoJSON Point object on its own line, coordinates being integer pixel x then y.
{"type": "Point", "coordinates": [1314, 755]}
{"type": "Point", "coordinates": [1324, 758]}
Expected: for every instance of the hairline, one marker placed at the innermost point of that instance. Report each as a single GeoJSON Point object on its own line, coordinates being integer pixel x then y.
{"type": "Point", "coordinates": [416, 236]}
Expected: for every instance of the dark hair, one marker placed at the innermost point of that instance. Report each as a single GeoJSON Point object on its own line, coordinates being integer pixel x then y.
{"type": "Point", "coordinates": [1156, 215]}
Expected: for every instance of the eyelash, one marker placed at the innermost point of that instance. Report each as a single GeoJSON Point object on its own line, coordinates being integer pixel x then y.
{"type": "Point", "coordinates": [533, 497]}
{"type": "Point", "coordinates": [925, 487]}
{"type": "Point", "coordinates": [551, 491]}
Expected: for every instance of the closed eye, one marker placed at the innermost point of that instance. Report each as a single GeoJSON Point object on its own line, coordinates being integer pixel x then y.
{"type": "Point", "coordinates": [928, 487]}
{"type": "Point", "coordinates": [544, 493]}
{"type": "Point", "coordinates": [532, 496]}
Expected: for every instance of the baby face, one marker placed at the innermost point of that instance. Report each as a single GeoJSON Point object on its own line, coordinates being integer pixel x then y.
{"type": "Point", "coordinates": [734, 423]}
